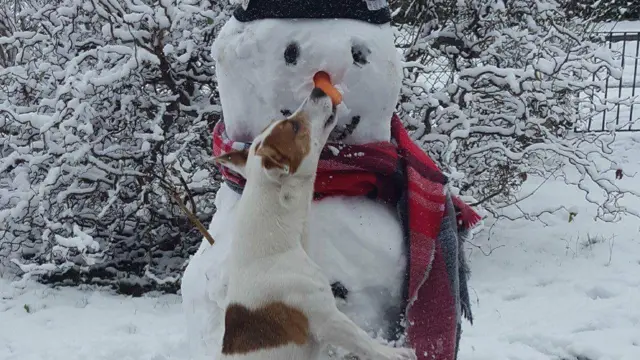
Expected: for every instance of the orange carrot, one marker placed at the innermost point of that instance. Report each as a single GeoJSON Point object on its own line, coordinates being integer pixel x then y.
{"type": "Point", "coordinates": [322, 80]}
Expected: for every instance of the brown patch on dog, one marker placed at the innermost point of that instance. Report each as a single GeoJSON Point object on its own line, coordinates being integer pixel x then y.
{"type": "Point", "coordinates": [287, 144]}
{"type": "Point", "coordinates": [273, 325]}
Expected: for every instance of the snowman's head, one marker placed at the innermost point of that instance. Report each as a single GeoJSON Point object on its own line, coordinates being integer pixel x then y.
{"type": "Point", "coordinates": [287, 148]}
{"type": "Point", "coordinates": [268, 53]}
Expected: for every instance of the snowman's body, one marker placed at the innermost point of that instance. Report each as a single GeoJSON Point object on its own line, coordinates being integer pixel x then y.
{"type": "Point", "coordinates": [265, 68]}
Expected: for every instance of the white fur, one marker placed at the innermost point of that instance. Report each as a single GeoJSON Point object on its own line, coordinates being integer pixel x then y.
{"type": "Point", "coordinates": [267, 260]}
{"type": "Point", "coordinates": [354, 240]}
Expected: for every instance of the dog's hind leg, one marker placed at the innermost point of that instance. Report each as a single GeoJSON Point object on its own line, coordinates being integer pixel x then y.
{"type": "Point", "coordinates": [338, 330]}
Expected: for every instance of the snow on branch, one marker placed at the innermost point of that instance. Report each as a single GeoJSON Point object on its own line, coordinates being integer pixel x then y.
{"type": "Point", "coordinates": [99, 101]}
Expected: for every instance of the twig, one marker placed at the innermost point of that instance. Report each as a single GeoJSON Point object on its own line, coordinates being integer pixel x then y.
{"type": "Point", "coordinates": [191, 217]}
{"type": "Point", "coordinates": [491, 250]}
{"type": "Point", "coordinates": [611, 242]}
{"type": "Point", "coordinates": [171, 191]}
{"type": "Point", "coordinates": [186, 188]}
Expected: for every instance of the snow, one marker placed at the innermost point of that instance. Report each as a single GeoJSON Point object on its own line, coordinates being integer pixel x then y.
{"type": "Point", "coordinates": [564, 290]}
{"type": "Point", "coordinates": [334, 150]}
{"type": "Point", "coordinates": [81, 241]}
{"type": "Point", "coordinates": [68, 324]}
{"type": "Point", "coordinates": [552, 290]}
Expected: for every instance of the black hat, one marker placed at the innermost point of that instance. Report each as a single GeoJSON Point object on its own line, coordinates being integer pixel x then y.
{"type": "Point", "coordinates": [371, 11]}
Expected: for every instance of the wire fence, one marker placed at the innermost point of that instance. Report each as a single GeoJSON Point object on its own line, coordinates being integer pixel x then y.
{"type": "Point", "coordinates": [625, 114]}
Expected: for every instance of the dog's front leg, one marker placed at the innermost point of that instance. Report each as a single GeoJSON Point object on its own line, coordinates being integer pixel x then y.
{"type": "Point", "coordinates": [304, 238]}
{"type": "Point", "coordinates": [338, 330]}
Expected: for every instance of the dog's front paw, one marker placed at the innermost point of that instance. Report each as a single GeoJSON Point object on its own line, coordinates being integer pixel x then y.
{"type": "Point", "coordinates": [390, 353]}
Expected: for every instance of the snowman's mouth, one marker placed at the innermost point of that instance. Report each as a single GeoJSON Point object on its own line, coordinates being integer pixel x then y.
{"type": "Point", "coordinates": [339, 134]}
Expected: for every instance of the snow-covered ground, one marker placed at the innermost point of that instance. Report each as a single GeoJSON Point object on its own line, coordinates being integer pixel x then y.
{"type": "Point", "coordinates": [38, 323]}
{"type": "Point", "coordinates": [560, 291]}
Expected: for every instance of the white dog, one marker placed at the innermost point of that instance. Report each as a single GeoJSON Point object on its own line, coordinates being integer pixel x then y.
{"type": "Point", "coordinates": [279, 304]}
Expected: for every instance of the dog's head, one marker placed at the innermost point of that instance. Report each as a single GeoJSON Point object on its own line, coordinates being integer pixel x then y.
{"type": "Point", "coordinates": [290, 146]}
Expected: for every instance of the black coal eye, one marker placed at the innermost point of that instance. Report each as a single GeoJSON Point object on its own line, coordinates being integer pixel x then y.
{"type": "Point", "coordinates": [339, 291]}
{"type": "Point", "coordinates": [291, 53]}
{"type": "Point", "coordinates": [285, 112]}
{"type": "Point", "coordinates": [360, 52]}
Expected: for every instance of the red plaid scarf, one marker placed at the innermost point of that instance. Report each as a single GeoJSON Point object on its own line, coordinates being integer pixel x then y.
{"type": "Point", "coordinates": [404, 175]}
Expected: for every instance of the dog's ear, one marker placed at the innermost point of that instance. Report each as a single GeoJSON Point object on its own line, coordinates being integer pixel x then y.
{"type": "Point", "coordinates": [235, 160]}
{"type": "Point", "coordinates": [273, 160]}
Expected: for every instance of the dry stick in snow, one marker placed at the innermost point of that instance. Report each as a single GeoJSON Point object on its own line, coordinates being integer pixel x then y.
{"type": "Point", "coordinates": [193, 218]}
{"type": "Point", "coordinates": [173, 193]}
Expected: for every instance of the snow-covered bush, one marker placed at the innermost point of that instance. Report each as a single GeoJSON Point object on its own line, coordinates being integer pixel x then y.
{"type": "Point", "coordinates": [99, 101]}
{"type": "Point", "coordinates": [102, 100]}
{"type": "Point", "coordinates": [494, 90]}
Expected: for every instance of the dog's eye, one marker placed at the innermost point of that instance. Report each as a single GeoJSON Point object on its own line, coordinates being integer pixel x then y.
{"type": "Point", "coordinates": [295, 126]}
{"type": "Point", "coordinates": [292, 53]}
{"type": "Point", "coordinates": [360, 52]}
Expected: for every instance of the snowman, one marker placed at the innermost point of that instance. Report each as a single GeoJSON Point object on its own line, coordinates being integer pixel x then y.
{"type": "Point", "coordinates": [383, 226]}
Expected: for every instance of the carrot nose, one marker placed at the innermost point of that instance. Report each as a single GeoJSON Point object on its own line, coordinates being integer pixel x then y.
{"type": "Point", "coordinates": [322, 80]}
